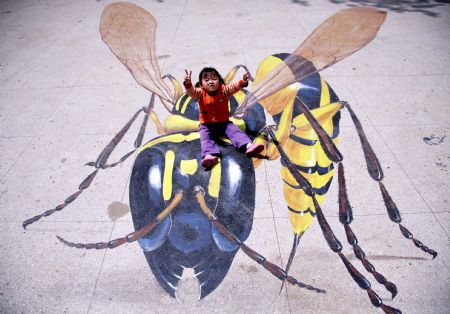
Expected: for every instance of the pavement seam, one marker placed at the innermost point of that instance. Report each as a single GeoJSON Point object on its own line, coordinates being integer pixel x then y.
{"type": "Point", "coordinates": [100, 270]}
{"type": "Point", "coordinates": [17, 159]}
{"type": "Point", "coordinates": [25, 64]}
{"type": "Point", "coordinates": [34, 137]}
{"type": "Point", "coordinates": [174, 35]}
{"type": "Point", "coordinates": [240, 34]}
{"type": "Point", "coordinates": [276, 234]}
{"type": "Point", "coordinates": [70, 88]}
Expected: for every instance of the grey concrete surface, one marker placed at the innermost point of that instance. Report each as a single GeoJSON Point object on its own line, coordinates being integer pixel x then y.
{"type": "Point", "coordinates": [63, 95]}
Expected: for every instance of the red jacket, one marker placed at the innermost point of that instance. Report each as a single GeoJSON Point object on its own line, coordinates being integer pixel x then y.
{"type": "Point", "coordinates": [214, 108]}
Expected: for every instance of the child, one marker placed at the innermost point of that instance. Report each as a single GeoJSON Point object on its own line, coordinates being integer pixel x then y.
{"type": "Point", "coordinates": [212, 96]}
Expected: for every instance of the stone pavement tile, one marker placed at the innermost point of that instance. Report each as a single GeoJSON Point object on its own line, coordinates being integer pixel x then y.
{"type": "Point", "coordinates": [423, 153]}
{"type": "Point", "coordinates": [25, 42]}
{"type": "Point", "coordinates": [60, 65]}
{"type": "Point", "coordinates": [421, 282]}
{"type": "Point", "coordinates": [63, 11]}
{"type": "Point", "coordinates": [407, 41]}
{"type": "Point", "coordinates": [444, 220]}
{"type": "Point", "coordinates": [25, 111]}
{"type": "Point", "coordinates": [368, 62]}
{"type": "Point", "coordinates": [275, 185]}
{"type": "Point", "coordinates": [363, 191]}
{"type": "Point", "coordinates": [34, 32]}
{"type": "Point", "coordinates": [98, 110]}
{"type": "Point", "coordinates": [103, 69]}
{"type": "Point", "coordinates": [345, 88]}
{"type": "Point", "coordinates": [198, 7]}
{"type": "Point", "coordinates": [38, 274]}
{"type": "Point", "coordinates": [286, 7]}
{"type": "Point", "coordinates": [436, 55]}
{"type": "Point", "coordinates": [263, 199]}
{"type": "Point", "coordinates": [253, 57]}
{"type": "Point", "coordinates": [417, 30]}
{"type": "Point", "coordinates": [403, 100]}
{"type": "Point", "coordinates": [126, 282]}
{"type": "Point", "coordinates": [189, 44]}
{"type": "Point", "coordinates": [51, 169]}
{"type": "Point", "coordinates": [10, 151]}
{"type": "Point", "coordinates": [260, 22]}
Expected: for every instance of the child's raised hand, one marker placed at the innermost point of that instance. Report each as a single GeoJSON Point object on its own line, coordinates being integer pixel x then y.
{"type": "Point", "coordinates": [187, 78]}
{"type": "Point", "coordinates": [245, 77]}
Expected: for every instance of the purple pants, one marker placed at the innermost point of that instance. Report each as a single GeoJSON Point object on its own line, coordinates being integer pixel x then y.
{"type": "Point", "coordinates": [211, 131]}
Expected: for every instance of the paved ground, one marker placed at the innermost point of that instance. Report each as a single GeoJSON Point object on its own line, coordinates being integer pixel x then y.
{"type": "Point", "coordinates": [64, 95]}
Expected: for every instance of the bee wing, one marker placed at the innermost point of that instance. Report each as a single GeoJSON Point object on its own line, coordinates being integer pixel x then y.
{"type": "Point", "coordinates": [336, 38]}
{"type": "Point", "coordinates": [129, 31]}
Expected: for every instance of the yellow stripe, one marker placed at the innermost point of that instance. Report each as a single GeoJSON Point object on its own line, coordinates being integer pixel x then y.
{"type": "Point", "coordinates": [168, 171]}
{"type": "Point", "coordinates": [177, 105]}
{"type": "Point", "coordinates": [188, 166]}
{"type": "Point", "coordinates": [325, 93]}
{"type": "Point", "coordinates": [185, 104]}
{"type": "Point", "coordinates": [173, 138]}
{"type": "Point", "coordinates": [214, 180]}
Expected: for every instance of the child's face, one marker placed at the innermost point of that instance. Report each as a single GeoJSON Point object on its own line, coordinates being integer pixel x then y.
{"type": "Point", "coordinates": [210, 82]}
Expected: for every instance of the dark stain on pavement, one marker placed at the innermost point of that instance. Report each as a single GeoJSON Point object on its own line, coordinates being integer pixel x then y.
{"type": "Point", "coordinates": [117, 210]}
{"type": "Point", "coordinates": [249, 269]}
{"type": "Point", "coordinates": [433, 139]}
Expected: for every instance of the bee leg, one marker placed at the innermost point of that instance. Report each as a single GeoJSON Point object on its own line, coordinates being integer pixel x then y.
{"type": "Point", "coordinates": [373, 165]}
{"type": "Point", "coordinates": [136, 235]}
{"type": "Point", "coordinates": [334, 244]}
{"type": "Point", "coordinates": [230, 75]}
{"type": "Point", "coordinates": [138, 142]}
{"type": "Point", "coordinates": [272, 268]}
{"type": "Point", "coordinates": [346, 217]}
{"type": "Point", "coordinates": [394, 215]}
{"type": "Point", "coordinates": [336, 247]}
{"type": "Point", "coordinates": [104, 155]}
{"type": "Point", "coordinates": [178, 90]}
{"type": "Point", "coordinates": [376, 172]}
{"type": "Point", "coordinates": [83, 185]}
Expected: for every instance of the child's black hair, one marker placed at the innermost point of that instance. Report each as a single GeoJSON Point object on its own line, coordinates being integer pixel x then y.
{"type": "Point", "coordinates": [208, 70]}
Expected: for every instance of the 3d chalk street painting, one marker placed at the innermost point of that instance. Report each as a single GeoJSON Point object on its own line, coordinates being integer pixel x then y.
{"type": "Point", "coordinates": [185, 217]}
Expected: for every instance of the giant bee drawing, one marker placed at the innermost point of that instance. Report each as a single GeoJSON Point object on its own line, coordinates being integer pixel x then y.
{"type": "Point", "coordinates": [185, 217]}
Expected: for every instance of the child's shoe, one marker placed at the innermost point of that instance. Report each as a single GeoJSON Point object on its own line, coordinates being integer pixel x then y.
{"type": "Point", "coordinates": [209, 161]}
{"type": "Point", "coordinates": [254, 150]}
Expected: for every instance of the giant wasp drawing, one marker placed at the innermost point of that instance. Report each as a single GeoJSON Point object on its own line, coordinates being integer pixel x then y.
{"type": "Point", "coordinates": [185, 217]}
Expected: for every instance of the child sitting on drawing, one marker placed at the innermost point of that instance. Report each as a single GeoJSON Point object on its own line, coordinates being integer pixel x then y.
{"type": "Point", "coordinates": [212, 96]}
